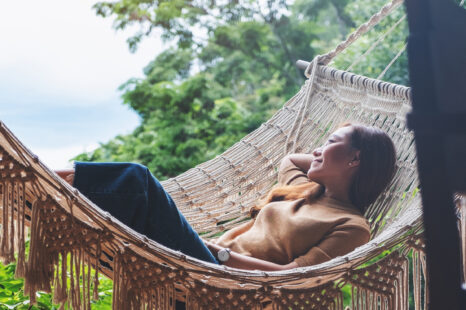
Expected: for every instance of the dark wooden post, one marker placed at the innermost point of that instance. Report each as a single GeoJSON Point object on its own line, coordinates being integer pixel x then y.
{"type": "Point", "coordinates": [437, 68]}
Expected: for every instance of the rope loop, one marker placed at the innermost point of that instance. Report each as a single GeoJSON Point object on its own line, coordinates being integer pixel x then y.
{"type": "Point", "coordinates": [310, 73]}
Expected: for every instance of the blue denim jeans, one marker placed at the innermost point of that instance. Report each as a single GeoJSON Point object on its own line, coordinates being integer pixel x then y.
{"type": "Point", "coordinates": [135, 197]}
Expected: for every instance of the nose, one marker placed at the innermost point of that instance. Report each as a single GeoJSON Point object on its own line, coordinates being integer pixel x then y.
{"type": "Point", "coordinates": [317, 152]}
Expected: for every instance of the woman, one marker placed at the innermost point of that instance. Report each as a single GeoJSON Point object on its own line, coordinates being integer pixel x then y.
{"type": "Point", "coordinates": [300, 222]}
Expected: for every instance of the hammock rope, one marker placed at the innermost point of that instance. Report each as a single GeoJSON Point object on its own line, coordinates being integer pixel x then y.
{"type": "Point", "coordinates": [402, 49]}
{"type": "Point", "coordinates": [375, 44]}
{"type": "Point", "coordinates": [216, 196]}
{"type": "Point", "coordinates": [310, 73]}
{"type": "Point", "coordinates": [361, 30]}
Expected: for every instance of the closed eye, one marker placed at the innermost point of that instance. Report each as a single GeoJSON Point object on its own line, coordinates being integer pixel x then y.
{"type": "Point", "coordinates": [329, 141]}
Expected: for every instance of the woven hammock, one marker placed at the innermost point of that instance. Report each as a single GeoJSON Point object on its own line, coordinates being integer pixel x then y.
{"type": "Point", "coordinates": [72, 240]}
{"type": "Point", "coordinates": [214, 197]}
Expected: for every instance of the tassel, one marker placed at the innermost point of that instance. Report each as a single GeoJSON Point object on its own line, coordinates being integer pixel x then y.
{"type": "Point", "coordinates": [77, 261]}
{"type": "Point", "coordinates": [88, 293]}
{"type": "Point", "coordinates": [84, 279]}
{"type": "Point", "coordinates": [96, 272]}
{"type": "Point", "coordinates": [422, 258]}
{"type": "Point", "coordinates": [13, 198]}
{"type": "Point", "coordinates": [21, 264]}
{"type": "Point", "coordinates": [4, 235]}
{"type": "Point", "coordinates": [96, 266]}
{"type": "Point", "coordinates": [59, 294]}
{"type": "Point", "coordinates": [64, 278]}
{"type": "Point", "coordinates": [8, 218]}
{"type": "Point", "coordinates": [122, 286]}
{"type": "Point", "coordinates": [56, 287]}
{"type": "Point", "coordinates": [406, 285]}
{"type": "Point", "coordinates": [72, 288]}
{"type": "Point", "coordinates": [116, 282]}
{"type": "Point", "coordinates": [416, 280]}
{"type": "Point", "coordinates": [39, 267]}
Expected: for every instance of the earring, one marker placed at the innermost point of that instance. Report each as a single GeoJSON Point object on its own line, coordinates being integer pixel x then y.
{"type": "Point", "coordinates": [350, 164]}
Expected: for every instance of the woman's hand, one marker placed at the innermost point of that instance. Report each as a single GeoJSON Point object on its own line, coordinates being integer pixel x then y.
{"type": "Point", "coordinates": [246, 262]}
{"type": "Point", "coordinates": [301, 160]}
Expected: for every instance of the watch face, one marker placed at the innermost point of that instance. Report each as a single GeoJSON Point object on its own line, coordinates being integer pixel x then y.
{"type": "Point", "coordinates": [223, 255]}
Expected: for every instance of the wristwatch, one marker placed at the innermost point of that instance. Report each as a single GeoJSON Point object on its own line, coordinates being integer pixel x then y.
{"type": "Point", "coordinates": [224, 255]}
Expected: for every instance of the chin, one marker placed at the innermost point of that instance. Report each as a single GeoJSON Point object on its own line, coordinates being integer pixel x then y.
{"type": "Point", "coordinates": [313, 177]}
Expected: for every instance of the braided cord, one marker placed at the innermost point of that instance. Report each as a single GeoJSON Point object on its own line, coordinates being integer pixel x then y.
{"type": "Point", "coordinates": [392, 61]}
{"type": "Point", "coordinates": [374, 45]}
{"type": "Point", "coordinates": [374, 20]}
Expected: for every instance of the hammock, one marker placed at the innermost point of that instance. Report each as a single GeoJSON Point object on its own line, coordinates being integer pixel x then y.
{"type": "Point", "coordinates": [69, 234]}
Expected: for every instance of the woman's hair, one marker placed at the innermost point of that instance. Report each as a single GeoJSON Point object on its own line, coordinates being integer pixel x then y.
{"type": "Point", "coordinates": [376, 169]}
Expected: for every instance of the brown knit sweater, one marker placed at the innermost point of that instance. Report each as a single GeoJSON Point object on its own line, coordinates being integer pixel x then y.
{"type": "Point", "coordinates": [309, 234]}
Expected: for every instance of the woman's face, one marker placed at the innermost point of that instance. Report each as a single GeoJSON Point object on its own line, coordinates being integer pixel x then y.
{"type": "Point", "coordinates": [335, 159]}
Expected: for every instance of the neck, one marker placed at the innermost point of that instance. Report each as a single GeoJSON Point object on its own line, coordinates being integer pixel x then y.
{"type": "Point", "coordinates": [343, 197]}
{"type": "Point", "coordinates": [338, 191]}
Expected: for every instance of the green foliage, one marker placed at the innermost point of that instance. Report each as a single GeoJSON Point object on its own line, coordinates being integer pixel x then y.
{"type": "Point", "coordinates": [182, 125]}
{"type": "Point", "coordinates": [11, 293]}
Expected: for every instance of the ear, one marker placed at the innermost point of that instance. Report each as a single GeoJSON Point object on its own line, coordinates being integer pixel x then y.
{"type": "Point", "coordinates": [355, 158]}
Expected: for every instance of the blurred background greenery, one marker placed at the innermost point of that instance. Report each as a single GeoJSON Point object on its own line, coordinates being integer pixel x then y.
{"type": "Point", "coordinates": [228, 66]}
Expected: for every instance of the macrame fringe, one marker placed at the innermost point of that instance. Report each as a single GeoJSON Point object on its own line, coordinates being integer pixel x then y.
{"type": "Point", "coordinates": [383, 285]}
{"type": "Point", "coordinates": [7, 248]}
{"type": "Point", "coordinates": [21, 263]}
{"type": "Point", "coordinates": [60, 294]}
{"type": "Point", "coordinates": [39, 267]}
{"type": "Point", "coordinates": [419, 280]}
{"type": "Point", "coordinates": [132, 292]}
{"type": "Point", "coordinates": [44, 267]}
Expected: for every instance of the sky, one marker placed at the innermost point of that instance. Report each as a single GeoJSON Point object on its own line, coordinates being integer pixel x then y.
{"type": "Point", "coordinates": [60, 69]}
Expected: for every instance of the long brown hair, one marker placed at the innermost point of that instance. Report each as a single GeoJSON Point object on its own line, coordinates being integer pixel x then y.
{"type": "Point", "coordinates": [376, 170]}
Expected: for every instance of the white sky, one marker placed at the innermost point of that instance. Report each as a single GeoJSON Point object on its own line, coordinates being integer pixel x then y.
{"type": "Point", "coordinates": [60, 67]}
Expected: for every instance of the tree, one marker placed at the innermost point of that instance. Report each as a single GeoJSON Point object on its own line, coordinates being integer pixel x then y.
{"type": "Point", "coordinates": [231, 68]}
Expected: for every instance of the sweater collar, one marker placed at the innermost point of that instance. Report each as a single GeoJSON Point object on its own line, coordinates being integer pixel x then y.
{"type": "Point", "coordinates": [335, 203]}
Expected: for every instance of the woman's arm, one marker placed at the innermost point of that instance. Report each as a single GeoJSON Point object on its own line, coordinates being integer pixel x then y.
{"type": "Point", "coordinates": [301, 160]}
{"type": "Point", "coordinates": [249, 263]}
{"type": "Point", "coordinates": [236, 231]}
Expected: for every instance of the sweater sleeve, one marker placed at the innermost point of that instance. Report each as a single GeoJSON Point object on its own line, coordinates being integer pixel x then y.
{"type": "Point", "coordinates": [290, 174]}
{"type": "Point", "coordinates": [339, 242]}
{"type": "Point", "coordinates": [234, 232]}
